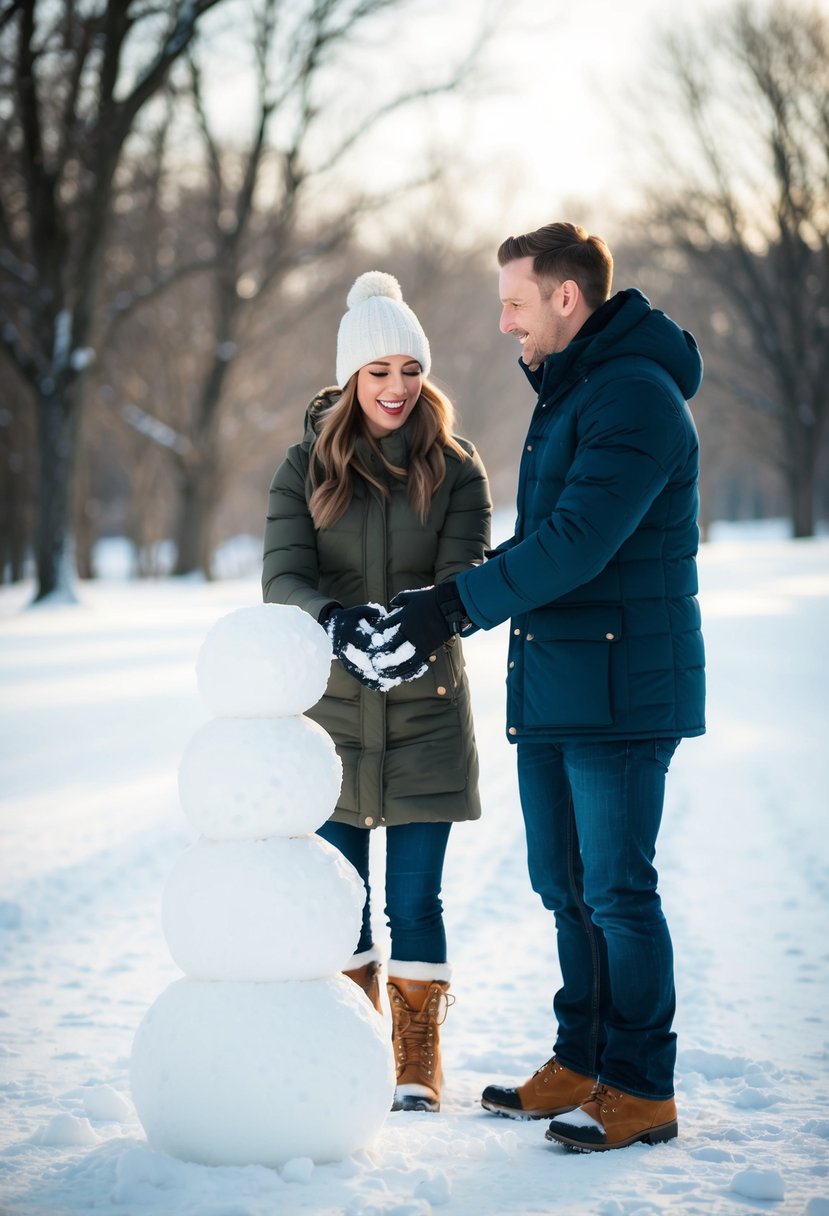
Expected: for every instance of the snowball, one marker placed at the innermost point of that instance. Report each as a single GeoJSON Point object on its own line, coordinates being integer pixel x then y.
{"type": "Point", "coordinates": [243, 1074]}
{"type": "Point", "coordinates": [66, 1130]}
{"type": "Point", "coordinates": [759, 1184]}
{"type": "Point", "coordinates": [435, 1189]}
{"type": "Point", "coordinates": [265, 661]}
{"type": "Point", "coordinates": [298, 1169]}
{"type": "Point", "coordinates": [373, 283]}
{"type": "Point", "coordinates": [105, 1103]}
{"type": "Point", "coordinates": [262, 909]}
{"type": "Point", "coordinates": [247, 778]}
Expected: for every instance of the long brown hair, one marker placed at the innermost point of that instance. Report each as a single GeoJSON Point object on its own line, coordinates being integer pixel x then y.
{"type": "Point", "coordinates": [335, 464]}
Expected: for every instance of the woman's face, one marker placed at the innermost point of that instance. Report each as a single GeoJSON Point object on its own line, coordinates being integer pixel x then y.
{"type": "Point", "coordinates": [387, 391]}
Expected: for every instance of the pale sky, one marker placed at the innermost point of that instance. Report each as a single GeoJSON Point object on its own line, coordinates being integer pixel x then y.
{"type": "Point", "coordinates": [545, 134]}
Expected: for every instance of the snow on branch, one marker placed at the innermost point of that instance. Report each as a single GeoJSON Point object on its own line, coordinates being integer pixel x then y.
{"type": "Point", "coordinates": [155, 429]}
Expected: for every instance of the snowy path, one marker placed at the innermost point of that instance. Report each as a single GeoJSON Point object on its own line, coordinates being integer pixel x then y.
{"type": "Point", "coordinates": [96, 704]}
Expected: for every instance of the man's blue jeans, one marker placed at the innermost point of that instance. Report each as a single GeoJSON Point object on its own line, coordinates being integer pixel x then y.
{"type": "Point", "coordinates": [414, 873]}
{"type": "Point", "coordinates": [592, 812]}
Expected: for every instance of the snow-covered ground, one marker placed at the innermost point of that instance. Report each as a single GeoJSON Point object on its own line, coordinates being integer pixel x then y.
{"type": "Point", "coordinates": [96, 704]}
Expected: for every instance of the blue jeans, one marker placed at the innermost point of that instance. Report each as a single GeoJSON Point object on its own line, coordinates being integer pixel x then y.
{"type": "Point", "coordinates": [592, 811]}
{"type": "Point", "coordinates": [414, 872]}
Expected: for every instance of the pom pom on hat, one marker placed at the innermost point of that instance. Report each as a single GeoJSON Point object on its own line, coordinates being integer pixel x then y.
{"type": "Point", "coordinates": [374, 283]}
{"type": "Point", "coordinates": [378, 324]}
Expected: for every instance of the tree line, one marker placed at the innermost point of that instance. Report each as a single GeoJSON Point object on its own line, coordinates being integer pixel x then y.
{"type": "Point", "coordinates": [170, 292]}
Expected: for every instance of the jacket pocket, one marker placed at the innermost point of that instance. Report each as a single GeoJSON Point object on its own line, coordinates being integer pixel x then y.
{"type": "Point", "coordinates": [567, 665]}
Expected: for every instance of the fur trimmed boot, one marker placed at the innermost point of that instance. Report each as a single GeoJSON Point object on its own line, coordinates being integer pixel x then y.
{"type": "Point", "coordinates": [419, 998]}
{"type": "Point", "coordinates": [364, 970]}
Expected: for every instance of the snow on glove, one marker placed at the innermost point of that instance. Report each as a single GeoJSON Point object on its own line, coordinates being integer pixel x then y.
{"type": "Point", "coordinates": [353, 633]}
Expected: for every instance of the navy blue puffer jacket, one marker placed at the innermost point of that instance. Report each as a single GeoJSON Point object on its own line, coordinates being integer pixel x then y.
{"type": "Point", "coordinates": [600, 577]}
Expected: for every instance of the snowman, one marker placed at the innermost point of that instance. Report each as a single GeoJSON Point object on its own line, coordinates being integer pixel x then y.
{"type": "Point", "coordinates": [263, 1051]}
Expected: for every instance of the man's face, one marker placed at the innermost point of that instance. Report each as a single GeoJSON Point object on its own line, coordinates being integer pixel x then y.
{"type": "Point", "coordinates": [538, 324]}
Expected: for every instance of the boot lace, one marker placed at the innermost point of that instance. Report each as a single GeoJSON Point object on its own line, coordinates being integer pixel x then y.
{"type": "Point", "coordinates": [604, 1099]}
{"type": "Point", "coordinates": [415, 1030]}
{"type": "Point", "coordinates": [548, 1070]}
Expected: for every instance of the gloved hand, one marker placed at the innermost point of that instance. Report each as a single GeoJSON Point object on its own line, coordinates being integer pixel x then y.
{"type": "Point", "coordinates": [352, 632]}
{"type": "Point", "coordinates": [429, 616]}
{"type": "Point", "coordinates": [420, 621]}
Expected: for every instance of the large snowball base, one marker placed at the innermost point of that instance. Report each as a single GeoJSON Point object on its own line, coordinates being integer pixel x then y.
{"type": "Point", "coordinates": [263, 661]}
{"type": "Point", "coordinates": [247, 778]}
{"type": "Point", "coordinates": [244, 1074]}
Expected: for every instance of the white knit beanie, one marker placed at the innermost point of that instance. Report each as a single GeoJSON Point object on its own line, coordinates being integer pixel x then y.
{"type": "Point", "coordinates": [378, 324]}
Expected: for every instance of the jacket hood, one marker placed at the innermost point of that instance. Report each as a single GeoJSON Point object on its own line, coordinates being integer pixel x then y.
{"type": "Point", "coordinates": [323, 401]}
{"type": "Point", "coordinates": [634, 329]}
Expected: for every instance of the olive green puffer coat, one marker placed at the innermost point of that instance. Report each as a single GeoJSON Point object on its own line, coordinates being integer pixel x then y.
{"type": "Point", "coordinates": [408, 755]}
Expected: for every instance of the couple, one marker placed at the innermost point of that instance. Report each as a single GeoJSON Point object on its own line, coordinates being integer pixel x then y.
{"type": "Point", "coordinates": [378, 525]}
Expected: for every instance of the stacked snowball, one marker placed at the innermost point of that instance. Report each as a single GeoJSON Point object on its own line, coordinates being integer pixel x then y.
{"type": "Point", "coordinates": [264, 1052]}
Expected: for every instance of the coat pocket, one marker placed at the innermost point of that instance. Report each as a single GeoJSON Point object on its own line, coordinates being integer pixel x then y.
{"type": "Point", "coordinates": [567, 666]}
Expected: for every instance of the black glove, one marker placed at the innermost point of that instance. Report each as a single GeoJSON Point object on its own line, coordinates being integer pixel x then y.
{"type": "Point", "coordinates": [429, 616]}
{"type": "Point", "coordinates": [351, 631]}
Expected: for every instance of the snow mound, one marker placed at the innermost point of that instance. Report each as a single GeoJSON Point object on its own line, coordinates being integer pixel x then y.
{"type": "Point", "coordinates": [104, 1103]}
{"type": "Point", "coordinates": [65, 1131]}
{"type": "Point", "coordinates": [759, 1184]}
{"type": "Point", "coordinates": [217, 1078]}
{"type": "Point", "coordinates": [262, 910]}
{"type": "Point", "coordinates": [263, 661]}
{"type": "Point", "coordinates": [244, 779]}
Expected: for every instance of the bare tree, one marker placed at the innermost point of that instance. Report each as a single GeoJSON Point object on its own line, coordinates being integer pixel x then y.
{"type": "Point", "coordinates": [268, 212]}
{"type": "Point", "coordinates": [745, 195]}
{"type": "Point", "coordinates": [74, 80]}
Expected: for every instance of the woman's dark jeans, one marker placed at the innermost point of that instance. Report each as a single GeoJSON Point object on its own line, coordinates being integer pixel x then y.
{"type": "Point", "coordinates": [414, 872]}
{"type": "Point", "coordinates": [592, 812]}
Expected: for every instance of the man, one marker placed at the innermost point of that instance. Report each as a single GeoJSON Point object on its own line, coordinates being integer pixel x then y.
{"type": "Point", "coordinates": [605, 667]}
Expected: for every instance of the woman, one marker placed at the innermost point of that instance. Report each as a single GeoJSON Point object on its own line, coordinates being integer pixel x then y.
{"type": "Point", "coordinates": [377, 498]}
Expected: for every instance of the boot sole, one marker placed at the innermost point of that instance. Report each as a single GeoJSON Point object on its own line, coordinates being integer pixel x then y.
{"type": "Point", "coordinates": [425, 1105]}
{"type": "Point", "coordinates": [510, 1112]}
{"type": "Point", "coordinates": [654, 1135]}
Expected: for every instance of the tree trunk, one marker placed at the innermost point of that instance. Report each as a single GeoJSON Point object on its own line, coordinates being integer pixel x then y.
{"type": "Point", "coordinates": [802, 499]}
{"type": "Point", "coordinates": [193, 548]}
{"type": "Point", "coordinates": [13, 508]}
{"type": "Point", "coordinates": [804, 447]}
{"type": "Point", "coordinates": [57, 425]}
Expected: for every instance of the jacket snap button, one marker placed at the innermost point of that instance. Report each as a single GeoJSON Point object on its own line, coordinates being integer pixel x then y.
{"type": "Point", "coordinates": [610, 636]}
{"type": "Point", "coordinates": [433, 658]}
{"type": "Point", "coordinates": [529, 447]}
{"type": "Point", "coordinates": [441, 691]}
{"type": "Point", "coordinates": [512, 664]}
{"type": "Point", "coordinates": [530, 637]}
{"type": "Point", "coordinates": [513, 730]}
{"type": "Point", "coordinates": [369, 821]}
{"type": "Point", "coordinates": [517, 632]}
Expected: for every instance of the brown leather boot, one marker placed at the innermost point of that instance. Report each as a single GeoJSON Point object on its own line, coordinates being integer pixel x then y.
{"type": "Point", "coordinates": [612, 1119]}
{"type": "Point", "coordinates": [418, 1009]}
{"type": "Point", "coordinates": [367, 976]}
{"type": "Point", "coordinates": [551, 1090]}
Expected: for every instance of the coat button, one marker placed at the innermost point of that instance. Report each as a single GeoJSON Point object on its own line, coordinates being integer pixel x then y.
{"type": "Point", "coordinates": [529, 447]}
{"type": "Point", "coordinates": [512, 664]}
{"type": "Point", "coordinates": [610, 636]}
{"type": "Point", "coordinates": [513, 730]}
{"type": "Point", "coordinates": [530, 637]}
{"type": "Point", "coordinates": [441, 691]}
{"type": "Point", "coordinates": [517, 632]}
{"type": "Point", "coordinates": [369, 821]}
{"type": "Point", "coordinates": [433, 658]}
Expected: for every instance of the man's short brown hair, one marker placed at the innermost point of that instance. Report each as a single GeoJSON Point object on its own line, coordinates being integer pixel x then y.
{"type": "Point", "coordinates": [565, 251]}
